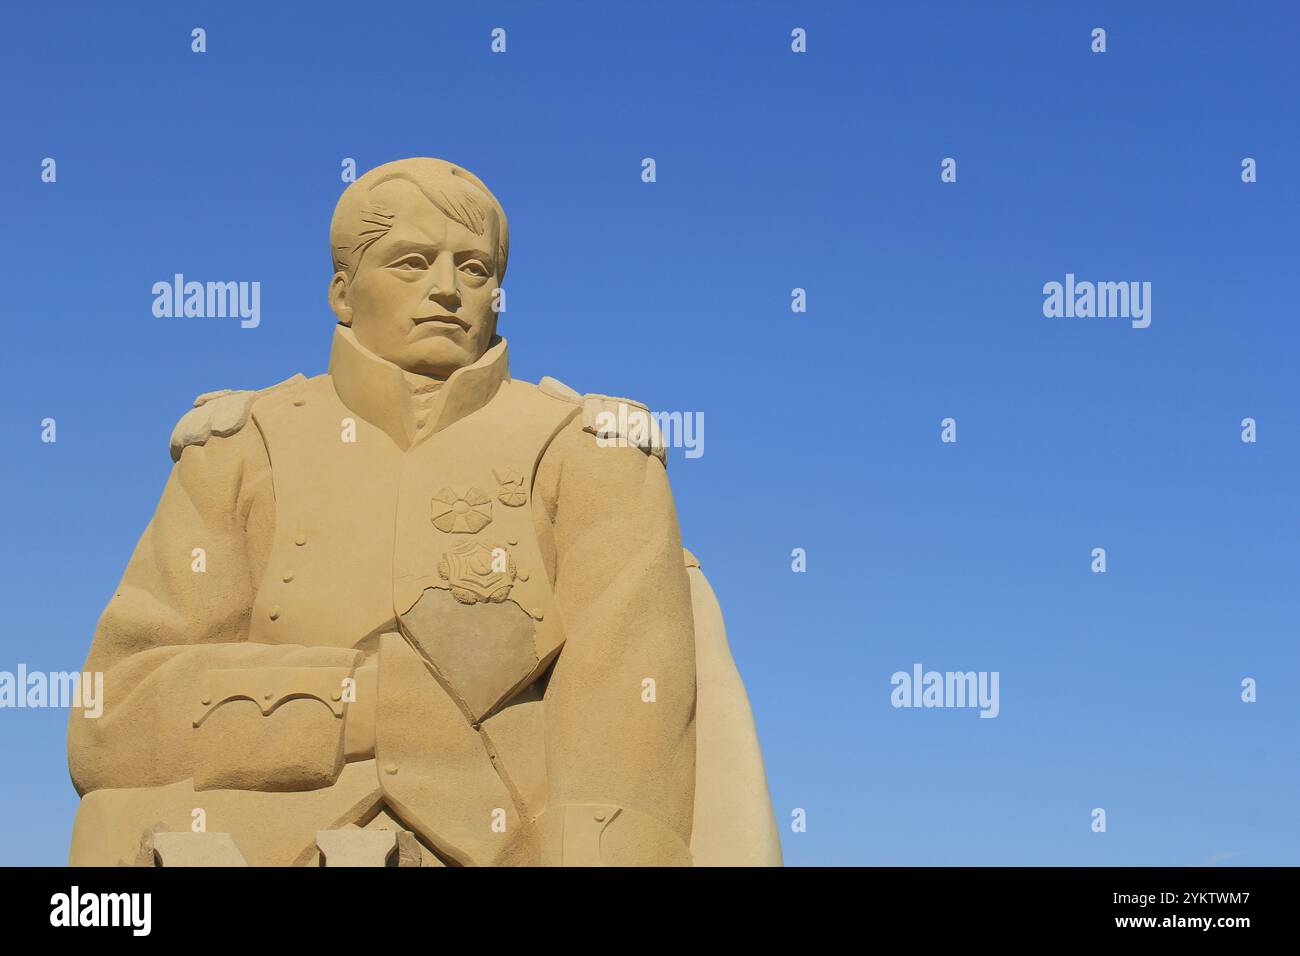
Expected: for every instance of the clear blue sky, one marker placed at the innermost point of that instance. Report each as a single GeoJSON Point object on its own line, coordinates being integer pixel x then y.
{"type": "Point", "coordinates": [775, 170]}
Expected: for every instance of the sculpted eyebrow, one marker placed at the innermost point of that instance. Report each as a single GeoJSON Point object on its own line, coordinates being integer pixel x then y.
{"type": "Point", "coordinates": [404, 247]}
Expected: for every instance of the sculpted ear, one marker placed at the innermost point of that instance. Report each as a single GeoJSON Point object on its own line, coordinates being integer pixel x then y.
{"type": "Point", "coordinates": [339, 298]}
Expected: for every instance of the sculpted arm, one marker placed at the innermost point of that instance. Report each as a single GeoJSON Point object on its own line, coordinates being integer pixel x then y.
{"type": "Point", "coordinates": [620, 706]}
{"type": "Point", "coordinates": [177, 627]}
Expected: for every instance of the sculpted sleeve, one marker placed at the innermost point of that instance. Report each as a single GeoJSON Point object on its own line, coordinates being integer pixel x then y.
{"type": "Point", "coordinates": [174, 637]}
{"type": "Point", "coordinates": [620, 705]}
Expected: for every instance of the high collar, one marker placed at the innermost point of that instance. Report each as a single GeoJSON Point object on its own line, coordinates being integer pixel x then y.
{"type": "Point", "coordinates": [410, 408]}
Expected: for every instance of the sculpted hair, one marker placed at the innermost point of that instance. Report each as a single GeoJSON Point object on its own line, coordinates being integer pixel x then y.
{"type": "Point", "coordinates": [461, 196]}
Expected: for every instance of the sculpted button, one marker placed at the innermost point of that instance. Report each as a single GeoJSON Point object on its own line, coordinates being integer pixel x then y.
{"type": "Point", "coordinates": [288, 576]}
{"type": "Point", "coordinates": [299, 402]}
{"type": "Point", "coordinates": [390, 768]}
{"type": "Point", "coordinates": [275, 613]}
{"type": "Point", "coordinates": [300, 540]}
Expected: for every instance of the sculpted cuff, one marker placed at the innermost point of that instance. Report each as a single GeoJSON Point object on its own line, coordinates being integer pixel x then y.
{"type": "Point", "coordinates": [270, 728]}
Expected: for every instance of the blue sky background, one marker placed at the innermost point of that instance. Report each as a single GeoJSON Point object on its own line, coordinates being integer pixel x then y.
{"type": "Point", "coordinates": [775, 170]}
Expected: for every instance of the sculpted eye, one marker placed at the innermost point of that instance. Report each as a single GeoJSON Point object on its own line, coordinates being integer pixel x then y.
{"type": "Point", "coordinates": [409, 264]}
{"type": "Point", "coordinates": [476, 269]}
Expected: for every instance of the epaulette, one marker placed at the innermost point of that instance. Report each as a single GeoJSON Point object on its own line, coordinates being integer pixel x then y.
{"type": "Point", "coordinates": [613, 420]}
{"type": "Point", "coordinates": [220, 414]}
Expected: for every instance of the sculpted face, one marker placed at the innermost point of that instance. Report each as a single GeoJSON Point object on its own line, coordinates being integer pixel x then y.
{"type": "Point", "coordinates": [421, 295]}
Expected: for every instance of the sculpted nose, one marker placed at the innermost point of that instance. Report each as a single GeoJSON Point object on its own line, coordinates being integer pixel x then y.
{"type": "Point", "coordinates": [442, 282]}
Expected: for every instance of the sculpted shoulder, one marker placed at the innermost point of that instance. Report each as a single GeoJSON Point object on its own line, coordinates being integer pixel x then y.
{"type": "Point", "coordinates": [611, 420]}
{"type": "Point", "coordinates": [221, 414]}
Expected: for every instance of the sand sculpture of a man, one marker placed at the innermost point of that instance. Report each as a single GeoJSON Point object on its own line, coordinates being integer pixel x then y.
{"type": "Point", "coordinates": [412, 610]}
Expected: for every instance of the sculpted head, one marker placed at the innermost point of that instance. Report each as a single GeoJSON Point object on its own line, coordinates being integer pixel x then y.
{"type": "Point", "coordinates": [420, 248]}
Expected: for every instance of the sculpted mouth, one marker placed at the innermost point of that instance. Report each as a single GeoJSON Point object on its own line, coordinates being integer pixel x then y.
{"type": "Point", "coordinates": [442, 319]}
